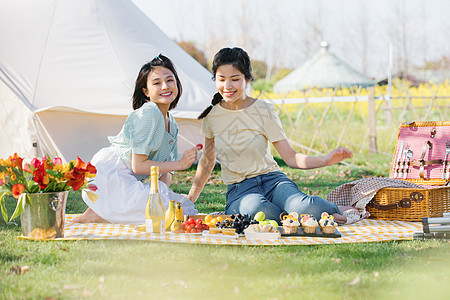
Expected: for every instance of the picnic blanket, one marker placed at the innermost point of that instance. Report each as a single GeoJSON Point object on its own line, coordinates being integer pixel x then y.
{"type": "Point", "coordinates": [364, 231]}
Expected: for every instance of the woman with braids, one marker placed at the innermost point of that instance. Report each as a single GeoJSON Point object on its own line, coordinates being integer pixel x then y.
{"type": "Point", "coordinates": [148, 138]}
{"type": "Point", "coordinates": [238, 129]}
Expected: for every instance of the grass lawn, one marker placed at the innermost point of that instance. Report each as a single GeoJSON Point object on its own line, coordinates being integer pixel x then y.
{"type": "Point", "coordinates": [149, 270]}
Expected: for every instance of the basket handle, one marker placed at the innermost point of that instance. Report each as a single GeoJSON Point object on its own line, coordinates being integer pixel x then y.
{"type": "Point", "coordinates": [404, 203]}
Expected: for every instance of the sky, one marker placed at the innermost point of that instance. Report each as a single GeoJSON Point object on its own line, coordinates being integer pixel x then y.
{"type": "Point", "coordinates": [286, 33]}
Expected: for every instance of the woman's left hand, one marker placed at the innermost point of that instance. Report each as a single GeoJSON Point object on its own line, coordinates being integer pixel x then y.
{"type": "Point", "coordinates": [337, 155]}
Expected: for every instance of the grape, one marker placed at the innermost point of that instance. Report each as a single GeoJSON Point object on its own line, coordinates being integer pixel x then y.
{"type": "Point", "coordinates": [238, 222]}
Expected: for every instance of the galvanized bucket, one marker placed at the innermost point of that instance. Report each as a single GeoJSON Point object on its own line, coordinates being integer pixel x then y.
{"type": "Point", "coordinates": [44, 218]}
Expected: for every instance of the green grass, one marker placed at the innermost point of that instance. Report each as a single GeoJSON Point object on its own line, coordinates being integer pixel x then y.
{"type": "Point", "coordinates": [150, 270]}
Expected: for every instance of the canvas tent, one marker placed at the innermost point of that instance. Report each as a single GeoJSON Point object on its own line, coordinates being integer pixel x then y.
{"type": "Point", "coordinates": [324, 70]}
{"type": "Point", "coordinates": [67, 72]}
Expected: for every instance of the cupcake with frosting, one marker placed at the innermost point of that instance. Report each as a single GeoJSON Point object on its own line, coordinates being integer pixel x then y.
{"type": "Point", "coordinates": [327, 223]}
{"type": "Point", "coordinates": [309, 224]}
{"type": "Point", "coordinates": [290, 225]}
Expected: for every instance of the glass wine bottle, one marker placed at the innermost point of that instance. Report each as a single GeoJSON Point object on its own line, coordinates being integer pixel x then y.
{"type": "Point", "coordinates": [154, 212]}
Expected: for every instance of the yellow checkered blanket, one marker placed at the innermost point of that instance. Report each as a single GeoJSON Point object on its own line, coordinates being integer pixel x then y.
{"type": "Point", "coordinates": [361, 232]}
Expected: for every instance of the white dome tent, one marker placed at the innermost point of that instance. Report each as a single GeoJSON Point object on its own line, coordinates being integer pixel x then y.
{"type": "Point", "coordinates": [67, 72]}
{"type": "Point", "coordinates": [324, 70]}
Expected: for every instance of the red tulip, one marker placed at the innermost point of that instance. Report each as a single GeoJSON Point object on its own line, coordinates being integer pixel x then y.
{"type": "Point", "coordinates": [35, 163]}
{"type": "Point", "coordinates": [92, 187]}
{"type": "Point", "coordinates": [41, 176]}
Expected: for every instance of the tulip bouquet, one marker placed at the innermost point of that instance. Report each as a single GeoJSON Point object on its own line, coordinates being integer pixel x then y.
{"type": "Point", "coordinates": [39, 176]}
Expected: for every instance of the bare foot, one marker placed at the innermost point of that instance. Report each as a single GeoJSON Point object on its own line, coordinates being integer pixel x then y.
{"type": "Point", "coordinates": [340, 219]}
{"type": "Point", "coordinates": [89, 216]}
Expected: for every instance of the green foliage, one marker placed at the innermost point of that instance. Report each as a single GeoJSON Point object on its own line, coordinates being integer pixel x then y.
{"type": "Point", "coordinates": [263, 85]}
{"type": "Point", "coordinates": [259, 68]}
{"type": "Point", "coordinates": [281, 73]}
{"type": "Point", "coordinates": [193, 51]}
{"type": "Point", "coordinates": [441, 64]}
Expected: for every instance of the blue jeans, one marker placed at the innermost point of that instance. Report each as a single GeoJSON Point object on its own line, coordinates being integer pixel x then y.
{"type": "Point", "coordinates": [274, 193]}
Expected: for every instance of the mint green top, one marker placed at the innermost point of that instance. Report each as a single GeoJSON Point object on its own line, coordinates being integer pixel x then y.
{"type": "Point", "coordinates": [144, 133]}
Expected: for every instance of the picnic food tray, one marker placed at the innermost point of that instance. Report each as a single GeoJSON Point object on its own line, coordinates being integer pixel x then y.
{"type": "Point", "coordinates": [318, 233]}
{"type": "Point", "coordinates": [422, 157]}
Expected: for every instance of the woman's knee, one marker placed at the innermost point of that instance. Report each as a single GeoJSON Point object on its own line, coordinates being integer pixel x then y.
{"type": "Point", "coordinates": [313, 205]}
{"type": "Point", "coordinates": [252, 204]}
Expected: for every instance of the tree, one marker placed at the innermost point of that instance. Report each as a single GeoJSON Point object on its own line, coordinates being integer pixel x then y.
{"type": "Point", "coordinates": [281, 73]}
{"type": "Point", "coordinates": [259, 69]}
{"type": "Point", "coordinates": [193, 51]}
{"type": "Point", "coordinates": [441, 64]}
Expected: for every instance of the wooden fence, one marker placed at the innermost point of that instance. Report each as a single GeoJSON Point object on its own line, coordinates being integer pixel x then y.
{"type": "Point", "coordinates": [362, 123]}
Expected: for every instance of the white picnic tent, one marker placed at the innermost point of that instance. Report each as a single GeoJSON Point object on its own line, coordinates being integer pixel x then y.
{"type": "Point", "coordinates": [324, 70]}
{"type": "Point", "coordinates": [67, 73]}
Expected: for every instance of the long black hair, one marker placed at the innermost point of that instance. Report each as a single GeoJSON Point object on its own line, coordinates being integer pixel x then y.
{"type": "Point", "coordinates": [236, 57]}
{"type": "Point", "coordinates": [139, 98]}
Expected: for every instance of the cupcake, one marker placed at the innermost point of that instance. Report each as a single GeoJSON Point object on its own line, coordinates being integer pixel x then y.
{"type": "Point", "coordinates": [309, 224]}
{"type": "Point", "coordinates": [290, 225]}
{"type": "Point", "coordinates": [327, 223]}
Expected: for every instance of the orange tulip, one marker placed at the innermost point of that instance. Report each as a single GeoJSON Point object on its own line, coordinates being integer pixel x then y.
{"type": "Point", "coordinates": [16, 161]}
{"type": "Point", "coordinates": [17, 190]}
{"type": "Point", "coordinates": [76, 177]}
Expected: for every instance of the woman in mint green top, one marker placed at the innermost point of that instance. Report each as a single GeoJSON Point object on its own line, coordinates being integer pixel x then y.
{"type": "Point", "coordinates": [144, 132]}
{"type": "Point", "coordinates": [148, 138]}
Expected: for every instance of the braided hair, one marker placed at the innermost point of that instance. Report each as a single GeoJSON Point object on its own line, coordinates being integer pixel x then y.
{"type": "Point", "coordinates": [236, 57]}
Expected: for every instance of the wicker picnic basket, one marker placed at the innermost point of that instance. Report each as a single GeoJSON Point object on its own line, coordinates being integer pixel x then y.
{"type": "Point", "coordinates": [421, 157]}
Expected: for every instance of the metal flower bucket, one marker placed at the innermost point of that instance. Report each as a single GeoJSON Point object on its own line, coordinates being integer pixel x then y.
{"type": "Point", "coordinates": [44, 218]}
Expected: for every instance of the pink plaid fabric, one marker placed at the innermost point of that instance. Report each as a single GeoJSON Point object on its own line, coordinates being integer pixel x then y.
{"type": "Point", "coordinates": [358, 193]}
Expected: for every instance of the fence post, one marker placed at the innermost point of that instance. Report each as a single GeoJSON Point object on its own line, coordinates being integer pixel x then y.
{"type": "Point", "coordinates": [372, 122]}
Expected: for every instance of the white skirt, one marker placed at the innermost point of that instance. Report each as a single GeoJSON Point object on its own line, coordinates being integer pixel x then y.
{"type": "Point", "coordinates": [121, 197]}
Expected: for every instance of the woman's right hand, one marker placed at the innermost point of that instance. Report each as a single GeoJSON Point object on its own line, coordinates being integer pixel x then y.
{"type": "Point", "coordinates": [189, 157]}
{"type": "Point", "coordinates": [204, 169]}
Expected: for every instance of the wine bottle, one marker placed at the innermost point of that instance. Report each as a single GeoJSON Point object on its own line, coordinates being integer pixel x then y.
{"type": "Point", "coordinates": [154, 212]}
